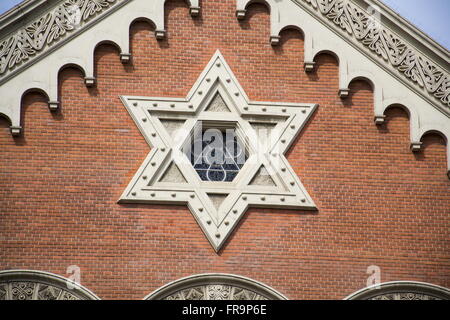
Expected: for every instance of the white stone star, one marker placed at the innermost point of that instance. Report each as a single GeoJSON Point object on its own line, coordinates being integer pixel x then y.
{"type": "Point", "coordinates": [217, 101]}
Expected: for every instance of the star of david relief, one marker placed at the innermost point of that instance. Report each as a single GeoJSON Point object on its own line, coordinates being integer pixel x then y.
{"type": "Point", "coordinates": [217, 152]}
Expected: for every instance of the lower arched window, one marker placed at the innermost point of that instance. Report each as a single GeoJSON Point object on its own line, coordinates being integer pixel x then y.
{"type": "Point", "coordinates": [402, 290]}
{"type": "Point", "coordinates": [38, 285]}
{"type": "Point", "coordinates": [215, 287]}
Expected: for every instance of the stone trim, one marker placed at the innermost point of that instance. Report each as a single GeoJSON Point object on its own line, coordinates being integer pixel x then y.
{"type": "Point", "coordinates": [69, 17]}
{"type": "Point", "coordinates": [357, 62]}
{"type": "Point", "coordinates": [56, 25]}
{"type": "Point", "coordinates": [215, 286]}
{"type": "Point", "coordinates": [75, 44]}
{"type": "Point", "coordinates": [401, 290]}
{"type": "Point", "coordinates": [358, 24]}
{"type": "Point", "coordinates": [39, 285]}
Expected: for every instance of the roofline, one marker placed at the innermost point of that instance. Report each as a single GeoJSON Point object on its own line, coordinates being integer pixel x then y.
{"type": "Point", "coordinates": [423, 43]}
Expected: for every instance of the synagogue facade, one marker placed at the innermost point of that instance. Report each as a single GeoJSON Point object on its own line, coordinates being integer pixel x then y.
{"type": "Point", "coordinates": [222, 150]}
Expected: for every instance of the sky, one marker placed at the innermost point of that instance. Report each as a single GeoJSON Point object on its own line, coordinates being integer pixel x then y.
{"type": "Point", "coordinates": [431, 16]}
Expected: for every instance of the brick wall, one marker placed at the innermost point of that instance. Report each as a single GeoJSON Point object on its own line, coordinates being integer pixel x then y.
{"type": "Point", "coordinates": [379, 204]}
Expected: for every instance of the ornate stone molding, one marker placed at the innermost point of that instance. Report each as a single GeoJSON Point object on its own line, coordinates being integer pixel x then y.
{"type": "Point", "coordinates": [355, 44]}
{"type": "Point", "coordinates": [358, 24]}
{"type": "Point", "coordinates": [37, 285]}
{"type": "Point", "coordinates": [215, 292]}
{"type": "Point", "coordinates": [215, 287]}
{"type": "Point", "coordinates": [32, 57]}
{"type": "Point", "coordinates": [69, 17]}
{"type": "Point", "coordinates": [39, 70]}
{"type": "Point", "coordinates": [402, 290]}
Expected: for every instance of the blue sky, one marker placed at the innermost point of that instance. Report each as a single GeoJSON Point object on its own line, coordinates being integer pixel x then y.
{"type": "Point", "coordinates": [431, 16]}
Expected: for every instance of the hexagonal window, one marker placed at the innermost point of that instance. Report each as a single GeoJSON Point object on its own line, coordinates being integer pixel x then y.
{"type": "Point", "coordinates": [217, 154]}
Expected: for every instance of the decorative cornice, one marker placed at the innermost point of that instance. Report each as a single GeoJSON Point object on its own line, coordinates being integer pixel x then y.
{"type": "Point", "coordinates": [361, 26]}
{"type": "Point", "coordinates": [69, 17]}
{"type": "Point", "coordinates": [38, 285]}
{"type": "Point", "coordinates": [110, 20]}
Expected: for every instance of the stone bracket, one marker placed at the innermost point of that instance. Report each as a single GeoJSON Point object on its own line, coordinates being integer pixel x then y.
{"type": "Point", "coordinates": [15, 130]}
{"type": "Point", "coordinates": [379, 119]}
{"type": "Point", "coordinates": [344, 93]}
{"type": "Point", "coordinates": [416, 146]}
{"type": "Point", "coordinates": [309, 66]}
{"type": "Point", "coordinates": [53, 105]}
{"type": "Point", "coordinates": [275, 40]}
{"type": "Point", "coordinates": [125, 58]}
{"type": "Point", "coordinates": [89, 82]}
{"type": "Point", "coordinates": [194, 11]}
{"type": "Point", "coordinates": [240, 14]}
{"type": "Point", "coordinates": [160, 34]}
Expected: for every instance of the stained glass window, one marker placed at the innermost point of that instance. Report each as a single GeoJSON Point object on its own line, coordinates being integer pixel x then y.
{"type": "Point", "coordinates": [217, 155]}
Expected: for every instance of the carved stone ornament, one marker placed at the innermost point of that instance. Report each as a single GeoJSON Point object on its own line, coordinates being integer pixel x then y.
{"type": "Point", "coordinates": [37, 285]}
{"type": "Point", "coordinates": [399, 54]}
{"type": "Point", "coordinates": [215, 287]}
{"type": "Point", "coordinates": [217, 102]}
{"type": "Point", "coordinates": [367, 49]}
{"type": "Point", "coordinates": [402, 290]}
{"type": "Point", "coordinates": [68, 17]}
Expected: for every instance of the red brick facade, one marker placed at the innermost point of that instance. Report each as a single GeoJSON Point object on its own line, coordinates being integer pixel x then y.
{"type": "Point", "coordinates": [378, 203]}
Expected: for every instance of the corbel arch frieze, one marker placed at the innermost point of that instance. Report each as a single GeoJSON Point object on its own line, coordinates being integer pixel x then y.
{"type": "Point", "coordinates": [39, 285]}
{"type": "Point", "coordinates": [113, 27]}
{"type": "Point", "coordinates": [389, 84]}
{"type": "Point", "coordinates": [72, 46]}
